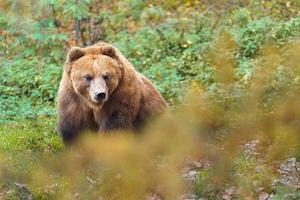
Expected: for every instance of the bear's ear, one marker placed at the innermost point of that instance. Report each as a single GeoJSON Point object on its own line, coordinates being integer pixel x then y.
{"type": "Point", "coordinates": [109, 51]}
{"type": "Point", "coordinates": [74, 54]}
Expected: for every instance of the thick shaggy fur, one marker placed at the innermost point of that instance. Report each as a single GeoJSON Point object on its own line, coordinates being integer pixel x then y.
{"type": "Point", "coordinates": [131, 100]}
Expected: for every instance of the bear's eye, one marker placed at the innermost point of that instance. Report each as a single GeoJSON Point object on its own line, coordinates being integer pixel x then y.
{"type": "Point", "coordinates": [105, 77]}
{"type": "Point", "coordinates": [88, 77]}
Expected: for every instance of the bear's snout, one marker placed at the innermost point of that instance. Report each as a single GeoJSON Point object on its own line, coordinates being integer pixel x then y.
{"type": "Point", "coordinates": [98, 90]}
{"type": "Point", "coordinates": [100, 96]}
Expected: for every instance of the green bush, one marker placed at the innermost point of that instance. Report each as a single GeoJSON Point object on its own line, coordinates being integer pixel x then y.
{"type": "Point", "coordinates": [172, 51]}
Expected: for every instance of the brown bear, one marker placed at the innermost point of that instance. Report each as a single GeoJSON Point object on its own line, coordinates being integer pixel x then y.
{"type": "Point", "coordinates": [100, 90]}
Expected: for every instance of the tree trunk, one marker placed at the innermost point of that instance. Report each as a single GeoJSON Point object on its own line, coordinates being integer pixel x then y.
{"type": "Point", "coordinates": [77, 31]}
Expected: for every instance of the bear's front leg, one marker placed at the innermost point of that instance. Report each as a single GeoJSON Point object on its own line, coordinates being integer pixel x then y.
{"type": "Point", "coordinates": [72, 120]}
{"type": "Point", "coordinates": [70, 125]}
{"type": "Point", "coordinates": [119, 121]}
{"type": "Point", "coordinates": [68, 129]}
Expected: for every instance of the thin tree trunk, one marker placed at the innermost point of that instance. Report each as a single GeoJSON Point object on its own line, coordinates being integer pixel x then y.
{"type": "Point", "coordinates": [90, 30]}
{"type": "Point", "coordinates": [55, 21]}
{"type": "Point", "coordinates": [77, 27]}
{"type": "Point", "coordinates": [82, 38]}
{"type": "Point", "coordinates": [77, 30]}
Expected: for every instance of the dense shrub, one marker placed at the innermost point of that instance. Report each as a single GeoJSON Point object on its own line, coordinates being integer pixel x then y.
{"type": "Point", "coordinates": [171, 51]}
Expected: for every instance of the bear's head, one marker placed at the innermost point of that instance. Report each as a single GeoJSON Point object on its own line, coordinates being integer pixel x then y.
{"type": "Point", "coordinates": [95, 73]}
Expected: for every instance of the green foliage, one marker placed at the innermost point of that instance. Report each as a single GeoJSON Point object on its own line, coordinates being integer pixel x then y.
{"type": "Point", "coordinates": [28, 87]}
{"type": "Point", "coordinates": [29, 68]}
{"type": "Point", "coordinates": [171, 51]}
{"type": "Point", "coordinates": [43, 137]}
{"type": "Point", "coordinates": [202, 186]}
{"type": "Point", "coordinates": [283, 192]}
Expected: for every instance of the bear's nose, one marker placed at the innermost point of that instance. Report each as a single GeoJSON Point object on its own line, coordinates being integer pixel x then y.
{"type": "Point", "coordinates": [100, 96]}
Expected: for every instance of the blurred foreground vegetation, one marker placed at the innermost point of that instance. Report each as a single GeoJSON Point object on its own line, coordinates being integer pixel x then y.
{"type": "Point", "coordinates": [229, 70]}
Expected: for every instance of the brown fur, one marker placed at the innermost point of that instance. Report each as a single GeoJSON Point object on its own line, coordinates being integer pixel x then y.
{"type": "Point", "coordinates": [131, 100]}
